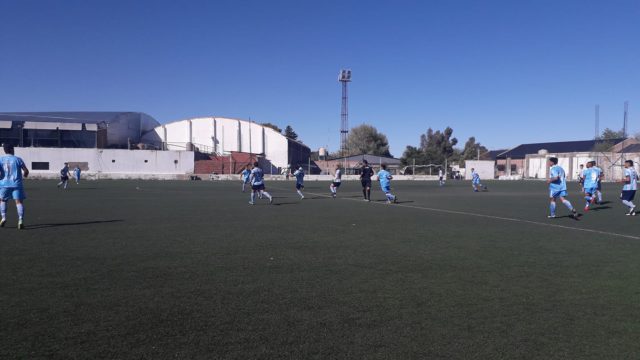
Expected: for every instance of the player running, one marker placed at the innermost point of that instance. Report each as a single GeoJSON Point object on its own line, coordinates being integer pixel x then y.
{"type": "Point", "coordinates": [337, 180]}
{"type": "Point", "coordinates": [76, 174]}
{"type": "Point", "coordinates": [475, 181]}
{"type": "Point", "coordinates": [630, 186]}
{"type": "Point", "coordinates": [299, 175]}
{"type": "Point", "coordinates": [591, 176]}
{"type": "Point", "coordinates": [385, 183]}
{"type": "Point", "coordinates": [244, 175]}
{"type": "Point", "coordinates": [558, 188]}
{"type": "Point", "coordinates": [64, 176]}
{"type": "Point", "coordinates": [366, 172]}
{"type": "Point", "coordinates": [441, 176]}
{"type": "Point", "coordinates": [12, 171]}
{"type": "Point", "coordinates": [599, 182]}
{"type": "Point", "coordinates": [257, 184]}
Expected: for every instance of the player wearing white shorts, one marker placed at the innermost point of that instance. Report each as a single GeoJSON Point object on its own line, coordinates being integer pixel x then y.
{"type": "Point", "coordinates": [337, 180]}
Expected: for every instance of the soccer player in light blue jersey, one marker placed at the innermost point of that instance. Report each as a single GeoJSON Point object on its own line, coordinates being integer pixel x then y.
{"type": "Point", "coordinates": [629, 188]}
{"type": "Point", "coordinates": [384, 177]}
{"type": "Point", "coordinates": [76, 174]}
{"type": "Point", "coordinates": [558, 188]}
{"type": "Point", "coordinates": [591, 177]}
{"type": "Point", "coordinates": [299, 175]}
{"type": "Point", "coordinates": [64, 176]}
{"type": "Point", "coordinates": [257, 184]}
{"type": "Point", "coordinates": [12, 170]}
{"type": "Point", "coordinates": [245, 176]}
{"type": "Point", "coordinates": [475, 181]}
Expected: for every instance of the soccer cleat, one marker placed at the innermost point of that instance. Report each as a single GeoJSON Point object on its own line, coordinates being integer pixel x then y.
{"type": "Point", "coordinates": [2, 222]}
{"type": "Point", "coordinates": [631, 212]}
{"type": "Point", "coordinates": [395, 200]}
{"type": "Point", "coordinates": [270, 200]}
{"type": "Point", "coordinates": [574, 214]}
{"type": "Point", "coordinates": [20, 225]}
{"type": "Point", "coordinates": [586, 208]}
{"type": "Point", "coordinates": [551, 216]}
{"type": "Point", "coordinates": [334, 195]}
{"type": "Point", "coordinates": [301, 197]}
{"type": "Point", "coordinates": [251, 203]}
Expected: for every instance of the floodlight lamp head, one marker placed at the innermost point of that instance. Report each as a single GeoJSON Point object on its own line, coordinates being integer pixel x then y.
{"type": "Point", "coordinates": [345, 75]}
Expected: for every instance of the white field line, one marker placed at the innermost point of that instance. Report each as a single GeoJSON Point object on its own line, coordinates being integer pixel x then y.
{"type": "Point", "coordinates": [464, 213]}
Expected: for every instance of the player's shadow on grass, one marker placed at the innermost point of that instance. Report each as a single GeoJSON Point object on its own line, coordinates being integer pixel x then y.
{"type": "Point", "coordinates": [43, 226]}
{"type": "Point", "coordinates": [600, 208]}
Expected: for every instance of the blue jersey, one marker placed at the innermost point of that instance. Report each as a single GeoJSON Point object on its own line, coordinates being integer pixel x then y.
{"type": "Point", "coordinates": [633, 179]}
{"type": "Point", "coordinates": [245, 174]}
{"type": "Point", "coordinates": [299, 174]}
{"type": "Point", "coordinates": [77, 172]}
{"type": "Point", "coordinates": [591, 177]}
{"type": "Point", "coordinates": [11, 171]}
{"type": "Point", "coordinates": [257, 176]}
{"type": "Point", "coordinates": [385, 178]}
{"type": "Point", "coordinates": [475, 177]}
{"type": "Point", "coordinates": [559, 184]}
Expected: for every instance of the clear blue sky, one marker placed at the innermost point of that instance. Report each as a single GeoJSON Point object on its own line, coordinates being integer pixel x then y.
{"type": "Point", "coordinates": [507, 71]}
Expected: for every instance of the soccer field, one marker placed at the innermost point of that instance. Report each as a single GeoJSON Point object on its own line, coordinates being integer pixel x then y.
{"type": "Point", "coordinates": [184, 270]}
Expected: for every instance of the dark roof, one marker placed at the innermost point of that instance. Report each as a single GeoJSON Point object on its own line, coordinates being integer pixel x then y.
{"type": "Point", "coordinates": [493, 154]}
{"type": "Point", "coordinates": [633, 148]}
{"type": "Point", "coordinates": [86, 117]}
{"type": "Point", "coordinates": [372, 159]}
{"type": "Point", "coordinates": [520, 151]}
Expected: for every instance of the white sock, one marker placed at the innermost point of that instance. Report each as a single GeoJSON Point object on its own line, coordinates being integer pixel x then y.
{"type": "Point", "coordinates": [628, 203]}
{"type": "Point", "coordinates": [20, 209]}
{"type": "Point", "coordinates": [300, 193]}
{"type": "Point", "coordinates": [253, 196]}
{"type": "Point", "coordinates": [267, 195]}
{"type": "Point", "coordinates": [3, 209]}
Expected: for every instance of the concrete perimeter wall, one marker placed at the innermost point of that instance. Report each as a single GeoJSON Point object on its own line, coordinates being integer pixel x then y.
{"type": "Point", "coordinates": [110, 163]}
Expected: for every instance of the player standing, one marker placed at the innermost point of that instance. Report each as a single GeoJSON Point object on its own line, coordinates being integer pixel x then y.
{"type": "Point", "coordinates": [13, 170]}
{"type": "Point", "coordinates": [475, 181]}
{"type": "Point", "coordinates": [630, 186]}
{"type": "Point", "coordinates": [558, 188]}
{"type": "Point", "coordinates": [299, 175]}
{"type": "Point", "coordinates": [590, 184]}
{"type": "Point", "coordinates": [64, 176]}
{"type": "Point", "coordinates": [366, 172]}
{"type": "Point", "coordinates": [76, 174]}
{"type": "Point", "coordinates": [599, 182]}
{"type": "Point", "coordinates": [385, 183]}
{"type": "Point", "coordinates": [244, 175]}
{"type": "Point", "coordinates": [581, 177]}
{"type": "Point", "coordinates": [337, 180]}
{"type": "Point", "coordinates": [257, 184]}
{"type": "Point", "coordinates": [441, 176]}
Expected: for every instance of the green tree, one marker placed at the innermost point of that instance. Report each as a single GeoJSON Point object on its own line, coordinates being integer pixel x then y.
{"type": "Point", "coordinates": [471, 150]}
{"type": "Point", "coordinates": [272, 126]}
{"type": "Point", "coordinates": [435, 147]}
{"type": "Point", "coordinates": [609, 134]}
{"type": "Point", "coordinates": [288, 132]}
{"type": "Point", "coordinates": [365, 139]}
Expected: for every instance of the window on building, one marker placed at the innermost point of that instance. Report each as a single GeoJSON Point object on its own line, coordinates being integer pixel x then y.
{"type": "Point", "coordinates": [39, 165]}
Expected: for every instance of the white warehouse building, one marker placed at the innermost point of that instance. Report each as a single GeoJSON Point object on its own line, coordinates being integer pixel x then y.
{"type": "Point", "coordinates": [223, 136]}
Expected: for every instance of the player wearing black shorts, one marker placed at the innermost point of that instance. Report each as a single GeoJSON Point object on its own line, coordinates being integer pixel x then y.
{"type": "Point", "coordinates": [366, 172]}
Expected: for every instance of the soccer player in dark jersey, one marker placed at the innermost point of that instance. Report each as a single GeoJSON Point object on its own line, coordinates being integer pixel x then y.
{"type": "Point", "coordinates": [366, 172]}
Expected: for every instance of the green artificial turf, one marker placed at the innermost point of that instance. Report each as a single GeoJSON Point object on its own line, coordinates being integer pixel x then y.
{"type": "Point", "coordinates": [188, 270]}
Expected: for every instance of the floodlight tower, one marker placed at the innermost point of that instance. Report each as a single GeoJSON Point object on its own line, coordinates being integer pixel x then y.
{"type": "Point", "coordinates": [626, 119]}
{"type": "Point", "coordinates": [344, 78]}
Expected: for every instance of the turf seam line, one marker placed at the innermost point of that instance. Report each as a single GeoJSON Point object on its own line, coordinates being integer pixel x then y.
{"type": "Point", "coordinates": [456, 212]}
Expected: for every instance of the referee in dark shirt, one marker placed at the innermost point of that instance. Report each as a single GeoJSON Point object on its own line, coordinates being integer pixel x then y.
{"type": "Point", "coordinates": [366, 172]}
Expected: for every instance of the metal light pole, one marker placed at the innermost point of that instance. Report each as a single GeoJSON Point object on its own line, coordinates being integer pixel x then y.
{"type": "Point", "coordinates": [344, 78]}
